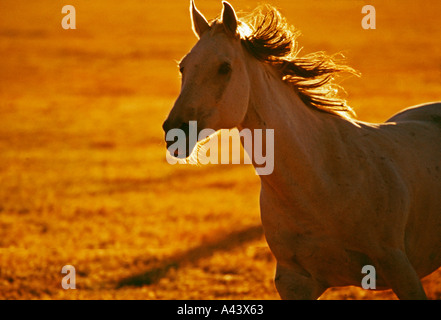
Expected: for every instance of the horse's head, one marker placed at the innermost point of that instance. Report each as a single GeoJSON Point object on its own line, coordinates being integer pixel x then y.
{"type": "Point", "coordinates": [215, 85]}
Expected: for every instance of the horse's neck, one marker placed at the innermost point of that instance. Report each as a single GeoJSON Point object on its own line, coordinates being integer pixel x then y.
{"type": "Point", "coordinates": [304, 139]}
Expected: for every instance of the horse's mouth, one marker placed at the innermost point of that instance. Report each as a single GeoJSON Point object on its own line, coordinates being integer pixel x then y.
{"type": "Point", "coordinates": [189, 145]}
{"type": "Point", "coordinates": [177, 152]}
{"type": "Point", "coordinates": [181, 155]}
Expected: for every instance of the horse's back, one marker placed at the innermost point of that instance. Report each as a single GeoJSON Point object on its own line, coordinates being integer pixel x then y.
{"type": "Point", "coordinates": [430, 112]}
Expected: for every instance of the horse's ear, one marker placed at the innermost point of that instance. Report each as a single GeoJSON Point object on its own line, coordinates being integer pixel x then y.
{"type": "Point", "coordinates": [200, 24]}
{"type": "Point", "coordinates": [229, 18]}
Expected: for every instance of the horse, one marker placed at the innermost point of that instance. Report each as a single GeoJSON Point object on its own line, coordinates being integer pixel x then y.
{"type": "Point", "coordinates": [344, 193]}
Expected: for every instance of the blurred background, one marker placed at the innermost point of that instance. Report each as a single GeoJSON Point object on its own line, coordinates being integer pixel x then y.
{"type": "Point", "coordinates": [83, 175]}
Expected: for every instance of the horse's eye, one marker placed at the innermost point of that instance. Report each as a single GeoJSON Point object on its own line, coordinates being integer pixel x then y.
{"type": "Point", "coordinates": [225, 68]}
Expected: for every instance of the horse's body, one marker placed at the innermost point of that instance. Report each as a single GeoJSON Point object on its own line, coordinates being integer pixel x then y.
{"type": "Point", "coordinates": [344, 193]}
{"type": "Point", "coordinates": [367, 195]}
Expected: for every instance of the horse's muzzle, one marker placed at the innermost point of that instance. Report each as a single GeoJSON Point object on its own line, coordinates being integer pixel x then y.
{"type": "Point", "coordinates": [185, 128]}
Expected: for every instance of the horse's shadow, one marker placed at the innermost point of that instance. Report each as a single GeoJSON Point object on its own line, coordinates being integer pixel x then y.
{"type": "Point", "coordinates": [191, 256]}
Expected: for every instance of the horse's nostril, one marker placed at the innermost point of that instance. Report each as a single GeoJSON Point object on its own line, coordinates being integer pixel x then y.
{"type": "Point", "coordinates": [167, 125]}
{"type": "Point", "coordinates": [185, 127]}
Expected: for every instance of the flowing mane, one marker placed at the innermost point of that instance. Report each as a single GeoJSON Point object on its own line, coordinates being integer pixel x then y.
{"type": "Point", "coordinates": [270, 39]}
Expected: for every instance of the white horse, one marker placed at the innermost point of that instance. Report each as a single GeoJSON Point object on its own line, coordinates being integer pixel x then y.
{"type": "Point", "coordinates": [344, 193]}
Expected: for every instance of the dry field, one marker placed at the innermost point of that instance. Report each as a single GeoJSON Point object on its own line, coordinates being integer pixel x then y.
{"type": "Point", "coordinates": [83, 176]}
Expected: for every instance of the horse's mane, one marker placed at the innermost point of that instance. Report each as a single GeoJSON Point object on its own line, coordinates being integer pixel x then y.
{"type": "Point", "coordinates": [273, 41]}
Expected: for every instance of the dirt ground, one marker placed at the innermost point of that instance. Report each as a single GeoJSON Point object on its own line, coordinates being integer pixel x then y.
{"type": "Point", "coordinates": [83, 175]}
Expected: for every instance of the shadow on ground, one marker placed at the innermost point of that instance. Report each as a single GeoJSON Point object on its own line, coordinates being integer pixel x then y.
{"type": "Point", "coordinates": [191, 256]}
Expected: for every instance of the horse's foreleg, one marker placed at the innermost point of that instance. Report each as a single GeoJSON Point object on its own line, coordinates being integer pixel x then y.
{"type": "Point", "coordinates": [293, 285]}
{"type": "Point", "coordinates": [396, 270]}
